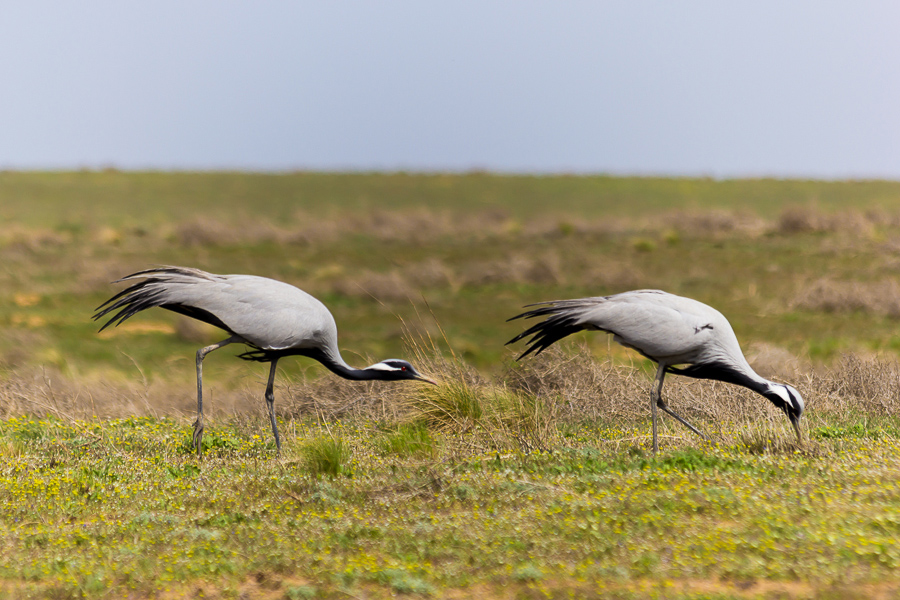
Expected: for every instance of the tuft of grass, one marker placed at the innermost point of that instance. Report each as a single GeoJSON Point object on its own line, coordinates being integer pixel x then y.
{"type": "Point", "coordinates": [404, 582]}
{"type": "Point", "coordinates": [528, 419]}
{"type": "Point", "coordinates": [301, 592]}
{"type": "Point", "coordinates": [326, 456]}
{"type": "Point", "coordinates": [497, 411]}
{"type": "Point", "coordinates": [408, 440]}
{"type": "Point", "coordinates": [9, 450]}
{"type": "Point", "coordinates": [452, 406]}
{"type": "Point", "coordinates": [643, 245]}
{"type": "Point", "coordinates": [765, 441]}
{"type": "Point", "coordinates": [527, 572]}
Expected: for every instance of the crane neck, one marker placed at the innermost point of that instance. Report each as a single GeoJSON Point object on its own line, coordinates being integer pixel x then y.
{"type": "Point", "coordinates": [335, 363]}
{"type": "Point", "coordinates": [742, 374]}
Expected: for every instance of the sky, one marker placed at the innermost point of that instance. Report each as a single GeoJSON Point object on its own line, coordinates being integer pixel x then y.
{"type": "Point", "coordinates": [688, 88]}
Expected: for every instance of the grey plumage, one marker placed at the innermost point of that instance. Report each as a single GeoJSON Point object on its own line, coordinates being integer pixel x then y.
{"type": "Point", "coordinates": [669, 330]}
{"type": "Point", "coordinates": [274, 318]}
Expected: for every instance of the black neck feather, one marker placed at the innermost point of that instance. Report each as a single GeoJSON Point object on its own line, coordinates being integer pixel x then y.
{"type": "Point", "coordinates": [338, 368]}
{"type": "Point", "coordinates": [728, 374]}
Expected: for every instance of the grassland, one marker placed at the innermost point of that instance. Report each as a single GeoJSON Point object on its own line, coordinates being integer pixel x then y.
{"type": "Point", "coordinates": [508, 481]}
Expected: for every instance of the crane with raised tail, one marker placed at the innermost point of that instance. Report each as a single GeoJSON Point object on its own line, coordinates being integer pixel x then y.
{"type": "Point", "coordinates": [669, 330]}
{"type": "Point", "coordinates": [273, 318]}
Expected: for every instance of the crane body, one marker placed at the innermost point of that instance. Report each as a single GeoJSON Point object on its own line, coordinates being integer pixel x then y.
{"type": "Point", "coordinates": [669, 330]}
{"type": "Point", "coordinates": [273, 318]}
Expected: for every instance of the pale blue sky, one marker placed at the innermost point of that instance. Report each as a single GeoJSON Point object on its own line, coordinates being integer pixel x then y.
{"type": "Point", "coordinates": [799, 89]}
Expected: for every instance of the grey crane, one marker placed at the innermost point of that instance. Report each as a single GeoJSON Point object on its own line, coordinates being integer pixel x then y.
{"type": "Point", "coordinates": [669, 330]}
{"type": "Point", "coordinates": [273, 318]}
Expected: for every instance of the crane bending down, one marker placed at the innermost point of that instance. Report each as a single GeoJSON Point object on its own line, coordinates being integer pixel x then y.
{"type": "Point", "coordinates": [274, 318]}
{"type": "Point", "coordinates": [669, 330]}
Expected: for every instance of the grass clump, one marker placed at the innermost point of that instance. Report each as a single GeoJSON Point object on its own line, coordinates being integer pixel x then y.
{"type": "Point", "coordinates": [326, 456]}
{"type": "Point", "coordinates": [454, 406]}
{"type": "Point", "coordinates": [301, 592]}
{"type": "Point", "coordinates": [407, 441]}
{"type": "Point", "coordinates": [494, 411]}
{"type": "Point", "coordinates": [404, 582]}
{"type": "Point", "coordinates": [527, 572]}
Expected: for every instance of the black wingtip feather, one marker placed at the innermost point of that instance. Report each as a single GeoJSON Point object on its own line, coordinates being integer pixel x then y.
{"type": "Point", "coordinates": [131, 301]}
{"type": "Point", "coordinates": [561, 323]}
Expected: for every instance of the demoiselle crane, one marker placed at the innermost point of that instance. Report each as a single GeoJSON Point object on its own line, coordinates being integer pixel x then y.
{"type": "Point", "coordinates": [274, 318]}
{"type": "Point", "coordinates": [669, 330]}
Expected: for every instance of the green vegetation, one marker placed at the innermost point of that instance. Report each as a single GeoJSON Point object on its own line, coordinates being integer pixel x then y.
{"type": "Point", "coordinates": [326, 456]}
{"type": "Point", "coordinates": [92, 507]}
{"type": "Point", "coordinates": [509, 480]}
{"type": "Point", "coordinates": [408, 440]}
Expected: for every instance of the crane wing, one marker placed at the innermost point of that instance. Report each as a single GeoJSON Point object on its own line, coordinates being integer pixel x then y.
{"type": "Point", "coordinates": [266, 313]}
{"type": "Point", "coordinates": [659, 325]}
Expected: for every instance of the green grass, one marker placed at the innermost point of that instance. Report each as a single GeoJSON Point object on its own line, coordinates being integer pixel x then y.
{"type": "Point", "coordinates": [326, 456]}
{"type": "Point", "coordinates": [137, 199]}
{"type": "Point", "coordinates": [92, 507]}
{"type": "Point", "coordinates": [407, 440]}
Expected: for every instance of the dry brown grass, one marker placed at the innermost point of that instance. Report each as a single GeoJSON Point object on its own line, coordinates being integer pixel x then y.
{"type": "Point", "coordinates": [48, 393]}
{"type": "Point", "coordinates": [390, 286]}
{"type": "Point", "coordinates": [208, 231]}
{"type": "Point", "coordinates": [836, 296]}
{"type": "Point", "coordinates": [330, 397]}
{"type": "Point", "coordinates": [808, 219]}
{"type": "Point", "coordinates": [862, 386]}
{"type": "Point", "coordinates": [407, 283]}
{"type": "Point", "coordinates": [715, 223]}
{"type": "Point", "coordinates": [522, 407]}
{"type": "Point", "coordinates": [515, 268]}
{"type": "Point", "coordinates": [424, 225]}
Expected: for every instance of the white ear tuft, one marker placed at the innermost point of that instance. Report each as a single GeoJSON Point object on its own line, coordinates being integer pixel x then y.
{"type": "Point", "coordinates": [382, 367]}
{"type": "Point", "coordinates": [782, 392]}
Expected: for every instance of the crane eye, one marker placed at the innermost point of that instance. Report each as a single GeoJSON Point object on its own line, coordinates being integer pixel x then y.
{"type": "Point", "coordinates": [402, 368]}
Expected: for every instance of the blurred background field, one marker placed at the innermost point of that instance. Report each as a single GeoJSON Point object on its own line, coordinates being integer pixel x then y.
{"type": "Point", "coordinates": [805, 270]}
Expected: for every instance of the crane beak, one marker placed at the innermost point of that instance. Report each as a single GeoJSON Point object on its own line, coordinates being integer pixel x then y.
{"type": "Point", "coordinates": [426, 380]}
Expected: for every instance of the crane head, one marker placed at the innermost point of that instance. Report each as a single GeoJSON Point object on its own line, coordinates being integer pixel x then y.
{"type": "Point", "coordinates": [393, 369]}
{"type": "Point", "coordinates": [788, 399]}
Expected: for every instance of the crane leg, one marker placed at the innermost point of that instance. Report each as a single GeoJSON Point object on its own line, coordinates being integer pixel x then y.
{"type": "Point", "coordinates": [663, 406]}
{"type": "Point", "coordinates": [198, 424]}
{"type": "Point", "coordinates": [796, 425]}
{"type": "Point", "coordinates": [660, 375]}
{"type": "Point", "coordinates": [270, 400]}
{"type": "Point", "coordinates": [656, 399]}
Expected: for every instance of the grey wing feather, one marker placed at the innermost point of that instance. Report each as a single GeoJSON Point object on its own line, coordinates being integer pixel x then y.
{"type": "Point", "coordinates": [659, 325]}
{"type": "Point", "coordinates": [266, 313]}
{"type": "Point", "coordinates": [155, 289]}
{"type": "Point", "coordinates": [564, 319]}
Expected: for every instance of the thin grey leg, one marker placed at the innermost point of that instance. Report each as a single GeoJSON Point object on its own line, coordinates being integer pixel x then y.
{"type": "Point", "coordinates": [655, 400]}
{"type": "Point", "coordinates": [796, 425]}
{"type": "Point", "coordinates": [660, 375]}
{"type": "Point", "coordinates": [198, 424]}
{"type": "Point", "coordinates": [682, 421]}
{"type": "Point", "coordinates": [270, 400]}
